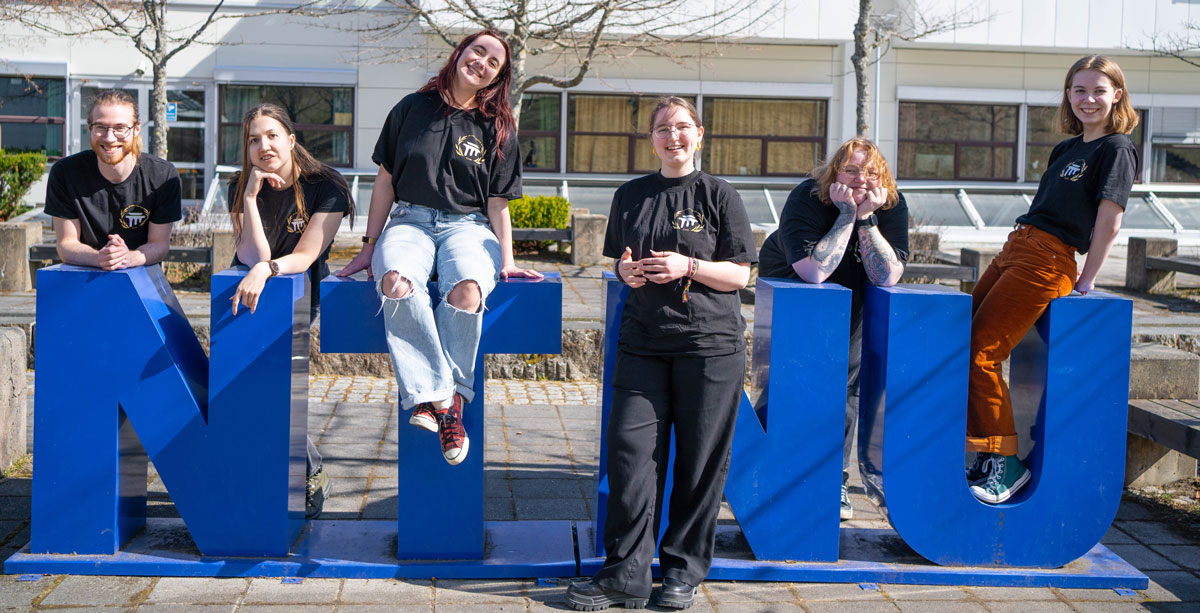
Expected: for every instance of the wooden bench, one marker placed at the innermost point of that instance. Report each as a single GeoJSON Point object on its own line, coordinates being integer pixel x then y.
{"type": "Point", "coordinates": [914, 271]}
{"type": "Point", "coordinates": [1151, 264]}
{"type": "Point", "coordinates": [1163, 428]}
{"type": "Point", "coordinates": [586, 236]}
{"type": "Point", "coordinates": [542, 234]}
{"type": "Point", "coordinates": [1171, 423]}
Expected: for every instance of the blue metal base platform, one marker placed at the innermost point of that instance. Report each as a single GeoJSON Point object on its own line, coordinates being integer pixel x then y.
{"type": "Point", "coordinates": [525, 549]}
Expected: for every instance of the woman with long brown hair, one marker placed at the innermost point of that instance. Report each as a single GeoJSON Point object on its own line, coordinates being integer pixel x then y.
{"type": "Point", "coordinates": [286, 208]}
{"type": "Point", "coordinates": [448, 157]}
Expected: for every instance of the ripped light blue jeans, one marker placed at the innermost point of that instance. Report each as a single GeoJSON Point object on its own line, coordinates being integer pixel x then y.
{"type": "Point", "coordinates": [433, 350]}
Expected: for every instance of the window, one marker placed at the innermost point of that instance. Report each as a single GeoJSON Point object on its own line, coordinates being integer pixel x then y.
{"type": "Point", "coordinates": [32, 115]}
{"type": "Point", "coordinates": [610, 134]}
{"type": "Point", "coordinates": [185, 140]}
{"type": "Point", "coordinates": [745, 136]}
{"type": "Point", "coordinates": [539, 130]}
{"type": "Point", "coordinates": [185, 135]}
{"type": "Point", "coordinates": [957, 141]}
{"type": "Point", "coordinates": [323, 118]}
{"type": "Point", "coordinates": [1175, 146]}
{"type": "Point", "coordinates": [1041, 135]}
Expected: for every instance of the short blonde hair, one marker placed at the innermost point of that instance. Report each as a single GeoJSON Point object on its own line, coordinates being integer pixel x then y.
{"type": "Point", "coordinates": [827, 173]}
{"type": "Point", "coordinates": [117, 97]}
{"type": "Point", "coordinates": [1122, 119]}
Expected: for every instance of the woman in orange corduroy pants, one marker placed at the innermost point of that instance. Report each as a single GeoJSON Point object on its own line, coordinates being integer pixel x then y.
{"type": "Point", "coordinates": [1078, 208]}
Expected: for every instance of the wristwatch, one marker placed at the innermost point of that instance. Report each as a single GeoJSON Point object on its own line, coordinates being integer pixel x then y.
{"type": "Point", "coordinates": [871, 221]}
{"type": "Point", "coordinates": [274, 266]}
{"type": "Point", "coordinates": [367, 240]}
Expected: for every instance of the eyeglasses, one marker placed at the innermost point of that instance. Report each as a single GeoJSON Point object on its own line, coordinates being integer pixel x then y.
{"type": "Point", "coordinates": [120, 132]}
{"type": "Point", "coordinates": [666, 131]}
{"type": "Point", "coordinates": [855, 171]}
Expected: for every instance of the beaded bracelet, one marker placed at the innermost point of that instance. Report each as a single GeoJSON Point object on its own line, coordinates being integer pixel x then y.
{"type": "Point", "coordinates": [693, 268]}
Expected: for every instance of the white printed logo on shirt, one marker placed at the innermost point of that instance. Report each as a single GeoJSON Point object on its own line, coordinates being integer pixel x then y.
{"type": "Point", "coordinates": [1074, 170]}
{"type": "Point", "coordinates": [296, 223]}
{"type": "Point", "coordinates": [133, 216]}
{"type": "Point", "coordinates": [688, 220]}
{"type": "Point", "coordinates": [471, 148]}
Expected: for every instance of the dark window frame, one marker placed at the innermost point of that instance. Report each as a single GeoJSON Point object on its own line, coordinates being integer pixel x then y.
{"type": "Point", "coordinates": [44, 119]}
{"type": "Point", "coordinates": [350, 129]}
{"type": "Point", "coordinates": [555, 134]}
{"type": "Point", "coordinates": [959, 144]}
{"type": "Point", "coordinates": [631, 137]}
{"type": "Point", "coordinates": [821, 141]}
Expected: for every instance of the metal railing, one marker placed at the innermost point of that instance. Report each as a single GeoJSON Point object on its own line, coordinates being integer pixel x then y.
{"type": "Point", "coordinates": [562, 184]}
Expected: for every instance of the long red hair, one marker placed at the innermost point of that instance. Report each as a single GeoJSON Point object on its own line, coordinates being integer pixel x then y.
{"type": "Point", "coordinates": [492, 101]}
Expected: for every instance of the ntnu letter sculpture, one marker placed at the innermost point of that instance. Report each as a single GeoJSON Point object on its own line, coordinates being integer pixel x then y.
{"type": "Point", "coordinates": [785, 469]}
{"type": "Point", "coordinates": [119, 370]}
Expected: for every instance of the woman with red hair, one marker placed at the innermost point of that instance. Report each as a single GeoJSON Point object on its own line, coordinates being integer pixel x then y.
{"type": "Point", "coordinates": [448, 158]}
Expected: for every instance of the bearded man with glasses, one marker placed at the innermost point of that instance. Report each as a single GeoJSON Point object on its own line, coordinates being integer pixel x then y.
{"type": "Point", "coordinates": [113, 206]}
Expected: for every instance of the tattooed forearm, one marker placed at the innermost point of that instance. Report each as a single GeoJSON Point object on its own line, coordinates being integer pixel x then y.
{"type": "Point", "coordinates": [878, 258]}
{"type": "Point", "coordinates": [830, 249]}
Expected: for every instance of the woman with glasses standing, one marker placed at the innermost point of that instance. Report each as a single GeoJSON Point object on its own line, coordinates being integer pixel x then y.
{"type": "Point", "coordinates": [682, 243]}
{"type": "Point", "coordinates": [847, 225]}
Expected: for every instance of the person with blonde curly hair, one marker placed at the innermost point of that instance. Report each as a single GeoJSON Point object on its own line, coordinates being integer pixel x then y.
{"type": "Point", "coordinates": [846, 225]}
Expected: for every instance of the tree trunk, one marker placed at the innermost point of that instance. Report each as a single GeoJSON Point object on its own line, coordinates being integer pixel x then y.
{"type": "Point", "coordinates": [158, 109]}
{"type": "Point", "coordinates": [519, 57]}
{"type": "Point", "coordinates": [859, 60]}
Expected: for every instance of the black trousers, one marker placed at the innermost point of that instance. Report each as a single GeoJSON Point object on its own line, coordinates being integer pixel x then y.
{"type": "Point", "coordinates": [699, 397]}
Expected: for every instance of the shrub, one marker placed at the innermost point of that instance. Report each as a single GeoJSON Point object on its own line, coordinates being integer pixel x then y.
{"type": "Point", "coordinates": [18, 171]}
{"type": "Point", "coordinates": [538, 212]}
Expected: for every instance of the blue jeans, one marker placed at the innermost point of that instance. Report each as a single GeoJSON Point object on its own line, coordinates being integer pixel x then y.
{"type": "Point", "coordinates": [433, 350]}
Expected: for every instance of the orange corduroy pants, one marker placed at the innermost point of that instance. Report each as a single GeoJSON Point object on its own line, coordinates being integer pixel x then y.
{"type": "Point", "coordinates": [1033, 268]}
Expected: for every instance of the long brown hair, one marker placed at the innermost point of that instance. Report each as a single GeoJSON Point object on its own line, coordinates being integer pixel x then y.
{"type": "Point", "coordinates": [112, 97]}
{"type": "Point", "coordinates": [304, 166]}
{"type": "Point", "coordinates": [491, 101]}
{"type": "Point", "coordinates": [1122, 118]}
{"type": "Point", "coordinates": [827, 173]}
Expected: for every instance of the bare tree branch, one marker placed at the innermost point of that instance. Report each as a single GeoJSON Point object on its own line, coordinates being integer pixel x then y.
{"type": "Point", "coordinates": [573, 34]}
{"type": "Point", "coordinates": [1184, 46]}
{"type": "Point", "coordinates": [876, 32]}
{"type": "Point", "coordinates": [144, 24]}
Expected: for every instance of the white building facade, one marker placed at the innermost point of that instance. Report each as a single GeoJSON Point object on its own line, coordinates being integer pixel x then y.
{"type": "Point", "coordinates": [970, 107]}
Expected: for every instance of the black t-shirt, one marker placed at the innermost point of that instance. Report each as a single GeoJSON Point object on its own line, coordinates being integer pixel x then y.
{"type": "Point", "coordinates": [77, 190]}
{"type": "Point", "coordinates": [698, 216]}
{"type": "Point", "coordinates": [446, 160]}
{"type": "Point", "coordinates": [1078, 176]}
{"type": "Point", "coordinates": [283, 224]}
{"type": "Point", "coordinates": [806, 220]}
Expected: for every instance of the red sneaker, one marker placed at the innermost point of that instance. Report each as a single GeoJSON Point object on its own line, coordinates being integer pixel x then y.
{"type": "Point", "coordinates": [423, 417]}
{"type": "Point", "coordinates": [454, 436]}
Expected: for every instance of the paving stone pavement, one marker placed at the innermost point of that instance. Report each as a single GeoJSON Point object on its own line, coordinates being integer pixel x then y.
{"type": "Point", "coordinates": [540, 463]}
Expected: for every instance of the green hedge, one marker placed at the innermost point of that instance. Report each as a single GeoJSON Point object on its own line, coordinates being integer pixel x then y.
{"type": "Point", "coordinates": [539, 212]}
{"type": "Point", "coordinates": [18, 171]}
